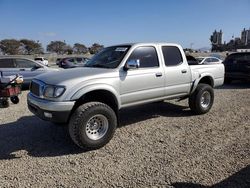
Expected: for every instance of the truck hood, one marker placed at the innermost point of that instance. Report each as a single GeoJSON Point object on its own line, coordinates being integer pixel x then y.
{"type": "Point", "coordinates": [74, 76]}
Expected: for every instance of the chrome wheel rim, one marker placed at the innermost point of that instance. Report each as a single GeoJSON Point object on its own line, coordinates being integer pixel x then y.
{"type": "Point", "coordinates": [205, 99]}
{"type": "Point", "coordinates": [97, 127]}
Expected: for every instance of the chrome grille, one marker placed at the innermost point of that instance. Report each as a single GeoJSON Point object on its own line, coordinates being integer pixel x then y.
{"type": "Point", "coordinates": [35, 88]}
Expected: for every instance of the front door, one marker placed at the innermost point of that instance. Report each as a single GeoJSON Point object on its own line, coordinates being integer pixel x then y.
{"type": "Point", "coordinates": [144, 83]}
{"type": "Point", "coordinates": [28, 69]}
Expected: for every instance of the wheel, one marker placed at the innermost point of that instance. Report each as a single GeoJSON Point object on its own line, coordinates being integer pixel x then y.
{"type": "Point", "coordinates": [4, 103]}
{"type": "Point", "coordinates": [202, 99]}
{"type": "Point", "coordinates": [92, 125]}
{"type": "Point", "coordinates": [14, 99]}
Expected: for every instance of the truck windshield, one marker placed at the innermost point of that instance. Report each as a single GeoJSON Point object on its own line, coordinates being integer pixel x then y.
{"type": "Point", "coordinates": [109, 57]}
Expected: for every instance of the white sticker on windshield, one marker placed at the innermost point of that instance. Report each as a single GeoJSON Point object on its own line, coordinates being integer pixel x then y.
{"type": "Point", "coordinates": [121, 49]}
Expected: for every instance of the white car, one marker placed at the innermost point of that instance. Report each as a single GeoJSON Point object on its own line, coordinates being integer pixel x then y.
{"type": "Point", "coordinates": [42, 60]}
{"type": "Point", "coordinates": [208, 60]}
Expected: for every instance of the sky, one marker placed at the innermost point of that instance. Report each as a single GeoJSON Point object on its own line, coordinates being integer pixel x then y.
{"type": "Point", "coordinates": [109, 22]}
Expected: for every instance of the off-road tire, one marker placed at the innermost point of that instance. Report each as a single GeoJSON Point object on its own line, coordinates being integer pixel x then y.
{"type": "Point", "coordinates": [78, 124]}
{"type": "Point", "coordinates": [195, 100]}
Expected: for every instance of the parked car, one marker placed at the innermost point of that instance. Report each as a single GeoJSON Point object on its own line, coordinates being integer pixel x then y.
{"type": "Point", "coordinates": [237, 66]}
{"type": "Point", "coordinates": [72, 62]}
{"type": "Point", "coordinates": [208, 60]}
{"type": "Point", "coordinates": [25, 67]}
{"type": "Point", "coordinates": [42, 60]}
{"type": "Point", "coordinates": [90, 99]}
{"type": "Point", "coordinates": [58, 60]}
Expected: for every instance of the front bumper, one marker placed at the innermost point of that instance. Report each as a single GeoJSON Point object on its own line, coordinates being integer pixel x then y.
{"type": "Point", "coordinates": [57, 112]}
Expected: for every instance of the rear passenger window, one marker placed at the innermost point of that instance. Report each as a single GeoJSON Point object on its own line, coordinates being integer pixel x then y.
{"type": "Point", "coordinates": [238, 58]}
{"type": "Point", "coordinates": [24, 63]}
{"type": "Point", "coordinates": [6, 63]}
{"type": "Point", "coordinates": [214, 60]}
{"type": "Point", "coordinates": [146, 55]}
{"type": "Point", "coordinates": [172, 55]}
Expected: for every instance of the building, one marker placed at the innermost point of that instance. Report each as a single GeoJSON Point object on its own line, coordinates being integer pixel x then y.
{"type": "Point", "coordinates": [242, 42]}
{"type": "Point", "coordinates": [245, 36]}
{"type": "Point", "coordinates": [216, 38]}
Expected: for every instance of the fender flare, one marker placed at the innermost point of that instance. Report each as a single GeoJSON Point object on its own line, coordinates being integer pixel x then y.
{"type": "Point", "coordinates": [94, 87]}
{"type": "Point", "coordinates": [200, 77]}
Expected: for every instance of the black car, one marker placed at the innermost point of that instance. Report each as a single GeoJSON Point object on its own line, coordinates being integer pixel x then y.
{"type": "Point", "coordinates": [237, 66]}
{"type": "Point", "coordinates": [72, 62]}
{"type": "Point", "coordinates": [58, 60]}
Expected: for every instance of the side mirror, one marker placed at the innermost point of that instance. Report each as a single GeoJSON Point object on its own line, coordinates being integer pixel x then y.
{"type": "Point", "coordinates": [132, 64]}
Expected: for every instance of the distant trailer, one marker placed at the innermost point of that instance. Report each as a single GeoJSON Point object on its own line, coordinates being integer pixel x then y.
{"type": "Point", "coordinates": [243, 50]}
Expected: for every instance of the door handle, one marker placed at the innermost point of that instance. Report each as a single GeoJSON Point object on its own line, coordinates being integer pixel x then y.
{"type": "Point", "coordinates": [158, 74]}
{"type": "Point", "coordinates": [184, 71]}
{"type": "Point", "coordinates": [22, 69]}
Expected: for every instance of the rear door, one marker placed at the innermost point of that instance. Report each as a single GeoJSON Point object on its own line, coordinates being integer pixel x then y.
{"type": "Point", "coordinates": [177, 72]}
{"type": "Point", "coordinates": [145, 82]}
{"type": "Point", "coordinates": [7, 67]}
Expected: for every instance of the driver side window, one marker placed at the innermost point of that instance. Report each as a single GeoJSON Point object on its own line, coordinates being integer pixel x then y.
{"type": "Point", "coordinates": [146, 55]}
{"type": "Point", "coordinates": [24, 63]}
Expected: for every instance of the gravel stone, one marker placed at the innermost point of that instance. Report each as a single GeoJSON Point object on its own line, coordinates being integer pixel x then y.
{"type": "Point", "coordinates": [156, 145]}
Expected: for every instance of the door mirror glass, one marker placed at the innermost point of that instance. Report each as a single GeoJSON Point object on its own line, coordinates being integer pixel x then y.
{"type": "Point", "coordinates": [132, 64]}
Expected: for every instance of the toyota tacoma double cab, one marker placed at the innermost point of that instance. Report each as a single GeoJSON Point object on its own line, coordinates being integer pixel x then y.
{"type": "Point", "coordinates": [89, 99]}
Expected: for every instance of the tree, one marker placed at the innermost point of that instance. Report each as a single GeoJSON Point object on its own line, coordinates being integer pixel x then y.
{"type": "Point", "coordinates": [80, 48]}
{"type": "Point", "coordinates": [31, 47]}
{"type": "Point", "coordinates": [10, 46]}
{"type": "Point", "coordinates": [68, 49]}
{"type": "Point", "coordinates": [95, 48]}
{"type": "Point", "coordinates": [58, 47]}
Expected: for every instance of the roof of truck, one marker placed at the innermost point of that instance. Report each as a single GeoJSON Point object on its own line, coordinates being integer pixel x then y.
{"type": "Point", "coordinates": [147, 43]}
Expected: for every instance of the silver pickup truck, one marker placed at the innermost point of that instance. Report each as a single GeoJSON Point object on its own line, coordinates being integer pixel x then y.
{"type": "Point", "coordinates": [88, 99]}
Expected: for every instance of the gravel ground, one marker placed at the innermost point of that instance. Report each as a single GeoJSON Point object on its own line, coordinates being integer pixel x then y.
{"type": "Point", "coordinates": [156, 145]}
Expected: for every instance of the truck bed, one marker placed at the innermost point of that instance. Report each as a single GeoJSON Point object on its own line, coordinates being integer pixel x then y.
{"type": "Point", "coordinates": [213, 70]}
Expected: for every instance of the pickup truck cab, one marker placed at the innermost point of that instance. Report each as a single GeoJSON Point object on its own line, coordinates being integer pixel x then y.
{"type": "Point", "coordinates": [88, 99]}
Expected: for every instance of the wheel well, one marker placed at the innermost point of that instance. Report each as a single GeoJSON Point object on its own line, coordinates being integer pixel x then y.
{"type": "Point", "coordinates": [207, 80]}
{"type": "Point", "coordinates": [99, 96]}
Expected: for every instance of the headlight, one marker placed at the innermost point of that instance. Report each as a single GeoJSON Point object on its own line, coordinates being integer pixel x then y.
{"type": "Point", "coordinates": [53, 91]}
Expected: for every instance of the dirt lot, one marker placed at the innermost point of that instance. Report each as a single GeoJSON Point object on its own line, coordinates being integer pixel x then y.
{"type": "Point", "coordinates": [156, 145]}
